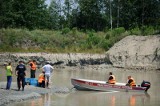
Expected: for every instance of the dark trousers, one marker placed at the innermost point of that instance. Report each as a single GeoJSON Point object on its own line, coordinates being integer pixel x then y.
{"type": "Point", "coordinates": [42, 84]}
{"type": "Point", "coordinates": [9, 80]}
{"type": "Point", "coordinates": [19, 80]}
{"type": "Point", "coordinates": [33, 73]}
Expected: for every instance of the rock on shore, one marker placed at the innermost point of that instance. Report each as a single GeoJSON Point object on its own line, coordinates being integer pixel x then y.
{"type": "Point", "coordinates": [69, 59]}
{"type": "Point", "coordinates": [136, 52]}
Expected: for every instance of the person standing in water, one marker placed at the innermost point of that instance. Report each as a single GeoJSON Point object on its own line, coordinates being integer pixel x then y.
{"type": "Point", "coordinates": [47, 70]}
{"type": "Point", "coordinates": [32, 68]}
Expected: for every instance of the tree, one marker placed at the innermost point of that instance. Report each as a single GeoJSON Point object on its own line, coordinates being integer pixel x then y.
{"type": "Point", "coordinates": [68, 7]}
{"type": "Point", "coordinates": [54, 15]}
{"type": "Point", "coordinates": [90, 16]}
{"type": "Point", "coordinates": [148, 12]}
{"type": "Point", "coordinates": [6, 19]}
{"type": "Point", "coordinates": [83, 14]}
{"type": "Point", "coordinates": [24, 13]}
{"type": "Point", "coordinates": [135, 13]}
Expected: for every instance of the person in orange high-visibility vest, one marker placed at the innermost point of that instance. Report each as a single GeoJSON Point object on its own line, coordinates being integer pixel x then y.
{"type": "Point", "coordinates": [111, 79]}
{"type": "Point", "coordinates": [41, 80]}
{"type": "Point", "coordinates": [131, 81]}
{"type": "Point", "coordinates": [32, 68]}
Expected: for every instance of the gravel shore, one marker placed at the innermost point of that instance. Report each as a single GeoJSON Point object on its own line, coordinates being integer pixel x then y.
{"type": "Point", "coordinates": [30, 92]}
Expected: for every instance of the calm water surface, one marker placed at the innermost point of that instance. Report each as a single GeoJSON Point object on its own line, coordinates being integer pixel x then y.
{"type": "Point", "coordinates": [61, 78]}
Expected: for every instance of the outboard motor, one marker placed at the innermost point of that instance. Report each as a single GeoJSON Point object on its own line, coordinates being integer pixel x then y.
{"type": "Point", "coordinates": [146, 84]}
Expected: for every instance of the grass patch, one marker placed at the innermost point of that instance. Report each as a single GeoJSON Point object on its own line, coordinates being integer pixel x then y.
{"type": "Point", "coordinates": [65, 41]}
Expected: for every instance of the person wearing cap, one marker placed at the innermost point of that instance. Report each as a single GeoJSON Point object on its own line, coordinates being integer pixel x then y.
{"type": "Point", "coordinates": [20, 73]}
{"type": "Point", "coordinates": [48, 69]}
{"type": "Point", "coordinates": [111, 79]}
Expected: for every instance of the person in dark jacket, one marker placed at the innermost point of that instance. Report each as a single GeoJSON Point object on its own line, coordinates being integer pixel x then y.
{"type": "Point", "coordinates": [20, 73]}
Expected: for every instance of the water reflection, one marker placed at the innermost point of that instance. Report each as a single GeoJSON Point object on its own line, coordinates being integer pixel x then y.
{"type": "Point", "coordinates": [132, 100]}
{"type": "Point", "coordinates": [85, 98]}
{"type": "Point", "coordinates": [47, 99]}
{"type": "Point", "coordinates": [44, 101]}
{"type": "Point", "coordinates": [113, 99]}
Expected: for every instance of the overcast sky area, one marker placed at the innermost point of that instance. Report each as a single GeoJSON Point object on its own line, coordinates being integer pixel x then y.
{"type": "Point", "coordinates": [48, 2]}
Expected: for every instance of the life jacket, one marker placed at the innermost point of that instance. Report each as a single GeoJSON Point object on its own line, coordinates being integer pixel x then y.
{"type": "Point", "coordinates": [133, 83]}
{"type": "Point", "coordinates": [33, 66]}
{"type": "Point", "coordinates": [112, 81]}
{"type": "Point", "coordinates": [41, 78]}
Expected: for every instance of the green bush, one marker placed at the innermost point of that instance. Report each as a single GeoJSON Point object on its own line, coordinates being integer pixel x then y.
{"type": "Point", "coordinates": [135, 31]}
{"type": "Point", "coordinates": [107, 36]}
{"type": "Point", "coordinates": [104, 44]}
{"type": "Point", "coordinates": [23, 40]}
{"type": "Point", "coordinates": [118, 31]}
{"type": "Point", "coordinates": [93, 39]}
{"type": "Point", "coordinates": [65, 30]}
{"type": "Point", "coordinates": [74, 31]}
{"type": "Point", "coordinates": [147, 30]}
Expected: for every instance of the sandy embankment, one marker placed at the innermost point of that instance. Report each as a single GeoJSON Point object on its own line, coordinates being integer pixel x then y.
{"type": "Point", "coordinates": [30, 92]}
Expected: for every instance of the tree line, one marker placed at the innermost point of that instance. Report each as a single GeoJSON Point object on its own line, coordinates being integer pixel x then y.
{"type": "Point", "coordinates": [97, 15]}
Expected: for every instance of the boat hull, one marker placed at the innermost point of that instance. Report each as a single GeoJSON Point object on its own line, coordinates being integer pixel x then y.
{"type": "Point", "coordinates": [85, 84]}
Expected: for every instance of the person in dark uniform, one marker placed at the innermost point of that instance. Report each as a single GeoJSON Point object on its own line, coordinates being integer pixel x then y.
{"type": "Point", "coordinates": [20, 73]}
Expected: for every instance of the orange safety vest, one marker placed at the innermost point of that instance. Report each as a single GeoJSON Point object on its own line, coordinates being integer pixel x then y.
{"type": "Point", "coordinates": [33, 67]}
{"type": "Point", "coordinates": [41, 78]}
{"type": "Point", "coordinates": [112, 81]}
{"type": "Point", "coordinates": [133, 83]}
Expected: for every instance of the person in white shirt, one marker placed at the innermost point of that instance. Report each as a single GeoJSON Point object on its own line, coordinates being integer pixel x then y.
{"type": "Point", "coordinates": [48, 69]}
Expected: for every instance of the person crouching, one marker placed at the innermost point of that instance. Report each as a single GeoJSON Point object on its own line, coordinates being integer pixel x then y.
{"type": "Point", "coordinates": [41, 79]}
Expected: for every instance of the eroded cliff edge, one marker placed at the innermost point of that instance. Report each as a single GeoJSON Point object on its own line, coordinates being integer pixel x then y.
{"type": "Point", "coordinates": [136, 52]}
